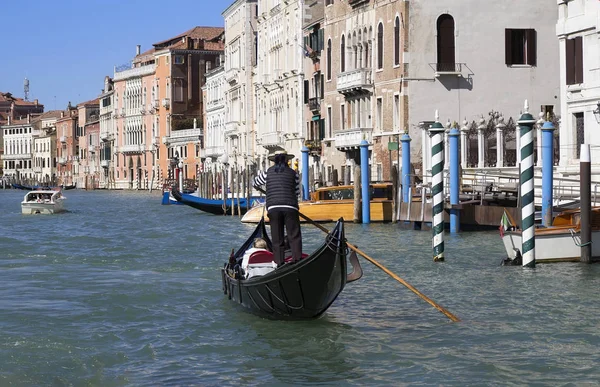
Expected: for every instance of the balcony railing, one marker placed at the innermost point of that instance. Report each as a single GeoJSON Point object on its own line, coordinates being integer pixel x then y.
{"type": "Point", "coordinates": [62, 160]}
{"type": "Point", "coordinates": [37, 169]}
{"type": "Point", "coordinates": [19, 156]}
{"type": "Point", "coordinates": [272, 139]}
{"type": "Point", "coordinates": [231, 127]}
{"type": "Point", "coordinates": [104, 163]}
{"type": "Point", "coordinates": [135, 72]}
{"type": "Point", "coordinates": [352, 138]}
{"type": "Point", "coordinates": [132, 148]}
{"type": "Point", "coordinates": [314, 103]}
{"type": "Point", "coordinates": [231, 75]}
{"type": "Point", "coordinates": [447, 68]}
{"type": "Point", "coordinates": [105, 135]}
{"type": "Point", "coordinates": [184, 136]}
{"type": "Point", "coordinates": [62, 139]}
{"type": "Point", "coordinates": [214, 151]}
{"type": "Point", "coordinates": [354, 80]}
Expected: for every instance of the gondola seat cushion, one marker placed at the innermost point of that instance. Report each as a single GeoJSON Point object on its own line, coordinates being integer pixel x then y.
{"type": "Point", "coordinates": [260, 263]}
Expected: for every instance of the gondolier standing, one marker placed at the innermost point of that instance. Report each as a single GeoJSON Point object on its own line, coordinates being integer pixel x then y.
{"type": "Point", "coordinates": [283, 188]}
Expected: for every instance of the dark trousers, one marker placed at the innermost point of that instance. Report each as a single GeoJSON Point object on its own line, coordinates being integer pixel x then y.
{"type": "Point", "coordinates": [280, 218]}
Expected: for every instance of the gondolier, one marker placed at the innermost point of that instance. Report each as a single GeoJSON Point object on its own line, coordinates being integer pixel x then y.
{"type": "Point", "coordinates": [283, 188]}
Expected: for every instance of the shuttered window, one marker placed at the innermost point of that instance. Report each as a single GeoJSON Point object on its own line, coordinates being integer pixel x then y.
{"type": "Point", "coordinates": [329, 59]}
{"type": "Point", "coordinates": [343, 54]}
{"type": "Point", "coordinates": [397, 41]}
{"type": "Point", "coordinates": [574, 60]}
{"type": "Point", "coordinates": [380, 46]}
{"type": "Point", "coordinates": [520, 47]}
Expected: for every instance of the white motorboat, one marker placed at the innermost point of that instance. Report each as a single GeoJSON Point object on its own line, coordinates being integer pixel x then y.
{"type": "Point", "coordinates": [43, 202]}
{"type": "Point", "coordinates": [560, 242]}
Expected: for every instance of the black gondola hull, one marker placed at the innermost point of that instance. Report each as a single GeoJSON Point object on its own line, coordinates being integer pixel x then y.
{"type": "Point", "coordinates": [216, 207]}
{"type": "Point", "coordinates": [302, 290]}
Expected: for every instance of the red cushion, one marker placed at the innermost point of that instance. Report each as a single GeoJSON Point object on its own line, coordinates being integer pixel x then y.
{"type": "Point", "coordinates": [289, 259]}
{"type": "Point", "coordinates": [262, 256]}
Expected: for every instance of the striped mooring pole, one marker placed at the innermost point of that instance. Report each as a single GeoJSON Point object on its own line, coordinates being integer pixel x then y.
{"type": "Point", "coordinates": [526, 122]}
{"type": "Point", "coordinates": [436, 132]}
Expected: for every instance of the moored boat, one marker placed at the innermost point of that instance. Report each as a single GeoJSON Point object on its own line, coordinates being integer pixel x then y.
{"type": "Point", "coordinates": [560, 242]}
{"type": "Point", "coordinates": [330, 203]}
{"type": "Point", "coordinates": [300, 290]}
{"type": "Point", "coordinates": [43, 202]}
{"type": "Point", "coordinates": [214, 206]}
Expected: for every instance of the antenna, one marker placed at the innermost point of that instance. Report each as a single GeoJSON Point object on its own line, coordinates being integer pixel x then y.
{"type": "Point", "coordinates": [26, 89]}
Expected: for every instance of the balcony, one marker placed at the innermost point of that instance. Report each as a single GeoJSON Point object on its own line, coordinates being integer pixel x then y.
{"type": "Point", "coordinates": [231, 127]}
{"type": "Point", "coordinates": [351, 138]}
{"type": "Point", "coordinates": [314, 104]}
{"type": "Point", "coordinates": [447, 69]}
{"type": "Point", "coordinates": [231, 76]}
{"type": "Point", "coordinates": [132, 148]}
{"type": "Point", "coordinates": [314, 146]}
{"type": "Point", "coordinates": [104, 163]}
{"type": "Point", "coordinates": [134, 72]}
{"type": "Point", "coordinates": [19, 156]}
{"type": "Point", "coordinates": [105, 135]}
{"type": "Point", "coordinates": [92, 148]}
{"type": "Point", "coordinates": [62, 160]}
{"type": "Point", "coordinates": [37, 169]}
{"type": "Point", "coordinates": [214, 151]}
{"type": "Point", "coordinates": [354, 81]}
{"type": "Point", "coordinates": [183, 137]}
{"type": "Point", "coordinates": [166, 103]}
{"type": "Point", "coordinates": [62, 139]}
{"type": "Point", "coordinates": [272, 140]}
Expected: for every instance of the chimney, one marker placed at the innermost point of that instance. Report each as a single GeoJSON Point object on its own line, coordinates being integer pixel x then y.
{"type": "Point", "coordinates": [35, 101]}
{"type": "Point", "coordinates": [137, 50]}
{"type": "Point", "coordinates": [62, 114]}
{"type": "Point", "coordinates": [28, 118]}
{"type": "Point", "coordinates": [9, 119]}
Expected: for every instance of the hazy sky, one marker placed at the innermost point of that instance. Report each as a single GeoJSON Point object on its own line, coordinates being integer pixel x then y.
{"type": "Point", "coordinates": [66, 47]}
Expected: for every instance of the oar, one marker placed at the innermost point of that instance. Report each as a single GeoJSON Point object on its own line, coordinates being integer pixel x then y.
{"type": "Point", "coordinates": [385, 269]}
{"type": "Point", "coordinates": [388, 272]}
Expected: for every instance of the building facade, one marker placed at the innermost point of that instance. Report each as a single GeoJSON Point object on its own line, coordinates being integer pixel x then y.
{"type": "Point", "coordinates": [67, 146]}
{"type": "Point", "coordinates": [107, 135]}
{"type": "Point", "coordinates": [214, 118]}
{"type": "Point", "coordinates": [578, 31]}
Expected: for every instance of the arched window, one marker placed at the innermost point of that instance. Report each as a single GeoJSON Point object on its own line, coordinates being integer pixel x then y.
{"type": "Point", "coordinates": [445, 43]}
{"type": "Point", "coordinates": [397, 41]}
{"type": "Point", "coordinates": [343, 54]}
{"type": "Point", "coordinates": [380, 46]}
{"type": "Point", "coordinates": [329, 59]}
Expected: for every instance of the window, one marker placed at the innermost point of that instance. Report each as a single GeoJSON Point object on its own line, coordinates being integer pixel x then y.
{"type": "Point", "coordinates": [329, 60]}
{"type": "Point", "coordinates": [329, 120]}
{"type": "Point", "coordinates": [445, 44]}
{"type": "Point", "coordinates": [396, 112]}
{"type": "Point", "coordinates": [379, 113]}
{"type": "Point", "coordinates": [343, 116]}
{"type": "Point", "coordinates": [520, 47]}
{"type": "Point", "coordinates": [343, 54]}
{"type": "Point", "coordinates": [380, 46]}
{"type": "Point", "coordinates": [328, 2]}
{"type": "Point", "coordinates": [574, 59]}
{"type": "Point", "coordinates": [397, 41]}
{"type": "Point", "coordinates": [178, 59]}
{"type": "Point", "coordinates": [579, 131]}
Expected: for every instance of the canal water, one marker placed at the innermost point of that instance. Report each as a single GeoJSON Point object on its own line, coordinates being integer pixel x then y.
{"type": "Point", "coordinates": [123, 291]}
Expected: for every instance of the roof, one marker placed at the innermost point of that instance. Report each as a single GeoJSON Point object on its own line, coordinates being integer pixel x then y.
{"type": "Point", "coordinates": [200, 33]}
{"type": "Point", "coordinates": [8, 97]}
{"type": "Point", "coordinates": [95, 101]}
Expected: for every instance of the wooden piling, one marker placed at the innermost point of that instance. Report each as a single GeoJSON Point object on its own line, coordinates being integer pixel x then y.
{"type": "Point", "coordinates": [357, 201]}
{"type": "Point", "coordinates": [585, 187]}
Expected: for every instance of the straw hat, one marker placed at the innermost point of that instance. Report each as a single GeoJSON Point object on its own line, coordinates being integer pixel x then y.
{"type": "Point", "coordinates": [280, 152]}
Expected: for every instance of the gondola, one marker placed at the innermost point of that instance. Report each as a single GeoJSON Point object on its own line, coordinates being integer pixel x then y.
{"type": "Point", "coordinates": [293, 291]}
{"type": "Point", "coordinates": [212, 206]}
{"type": "Point", "coordinates": [68, 187]}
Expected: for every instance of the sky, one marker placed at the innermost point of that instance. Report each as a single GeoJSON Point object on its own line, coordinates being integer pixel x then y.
{"type": "Point", "coordinates": [66, 47]}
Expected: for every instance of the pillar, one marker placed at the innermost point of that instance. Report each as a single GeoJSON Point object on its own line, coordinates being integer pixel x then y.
{"type": "Point", "coordinates": [406, 185]}
{"type": "Point", "coordinates": [305, 173]}
{"type": "Point", "coordinates": [526, 123]}
{"type": "Point", "coordinates": [464, 131]}
{"type": "Point", "coordinates": [585, 187]}
{"type": "Point", "coordinates": [454, 180]}
{"type": "Point", "coordinates": [364, 175]}
{"type": "Point", "coordinates": [481, 144]}
{"type": "Point", "coordinates": [540, 152]}
{"type": "Point", "coordinates": [436, 131]}
{"type": "Point", "coordinates": [500, 126]}
{"type": "Point", "coordinates": [547, 171]}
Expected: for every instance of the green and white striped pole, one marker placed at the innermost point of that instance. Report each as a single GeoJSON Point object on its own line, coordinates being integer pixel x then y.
{"type": "Point", "coordinates": [526, 123]}
{"type": "Point", "coordinates": [436, 132]}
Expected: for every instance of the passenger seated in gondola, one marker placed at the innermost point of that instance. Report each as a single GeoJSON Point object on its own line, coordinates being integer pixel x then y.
{"type": "Point", "coordinates": [257, 260]}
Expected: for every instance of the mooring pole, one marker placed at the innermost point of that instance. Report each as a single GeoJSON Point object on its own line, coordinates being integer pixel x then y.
{"type": "Point", "coordinates": [526, 122]}
{"type": "Point", "coordinates": [547, 171]}
{"type": "Point", "coordinates": [436, 131]}
{"type": "Point", "coordinates": [453, 136]}
{"type": "Point", "coordinates": [364, 174]}
{"type": "Point", "coordinates": [305, 187]}
{"type": "Point", "coordinates": [585, 192]}
{"type": "Point", "coordinates": [406, 186]}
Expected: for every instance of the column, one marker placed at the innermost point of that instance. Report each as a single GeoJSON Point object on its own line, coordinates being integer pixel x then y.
{"type": "Point", "coordinates": [500, 126]}
{"type": "Point", "coordinates": [481, 144]}
{"type": "Point", "coordinates": [464, 131]}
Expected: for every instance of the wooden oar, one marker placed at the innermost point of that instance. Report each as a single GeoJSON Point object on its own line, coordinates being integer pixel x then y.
{"type": "Point", "coordinates": [388, 272]}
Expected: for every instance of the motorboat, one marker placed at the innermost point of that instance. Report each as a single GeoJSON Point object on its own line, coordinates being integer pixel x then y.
{"type": "Point", "coordinates": [43, 202]}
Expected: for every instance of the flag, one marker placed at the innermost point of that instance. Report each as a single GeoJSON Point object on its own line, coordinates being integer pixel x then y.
{"type": "Point", "coordinates": [504, 224]}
